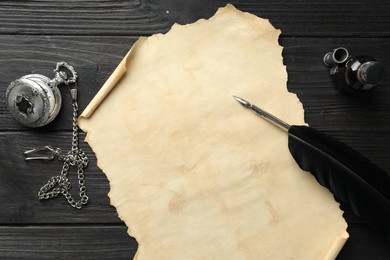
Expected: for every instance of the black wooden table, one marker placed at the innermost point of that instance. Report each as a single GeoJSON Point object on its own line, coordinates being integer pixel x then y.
{"type": "Point", "coordinates": [93, 36]}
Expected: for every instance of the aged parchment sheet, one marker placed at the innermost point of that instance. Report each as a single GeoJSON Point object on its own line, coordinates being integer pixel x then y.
{"type": "Point", "coordinates": [192, 173]}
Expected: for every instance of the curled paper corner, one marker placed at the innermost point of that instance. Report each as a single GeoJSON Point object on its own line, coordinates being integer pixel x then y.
{"type": "Point", "coordinates": [111, 82]}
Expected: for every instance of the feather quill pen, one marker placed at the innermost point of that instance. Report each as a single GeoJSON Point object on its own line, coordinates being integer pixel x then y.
{"type": "Point", "coordinates": [351, 177]}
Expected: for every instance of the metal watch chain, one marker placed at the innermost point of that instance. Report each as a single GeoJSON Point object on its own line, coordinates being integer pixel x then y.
{"type": "Point", "coordinates": [74, 158]}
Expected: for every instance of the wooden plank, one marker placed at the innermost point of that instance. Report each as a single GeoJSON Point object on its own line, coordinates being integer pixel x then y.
{"type": "Point", "coordinates": [298, 18]}
{"type": "Point", "coordinates": [122, 17]}
{"type": "Point", "coordinates": [66, 242]}
{"type": "Point", "coordinates": [112, 17]}
{"type": "Point", "coordinates": [96, 57]}
{"type": "Point", "coordinates": [112, 242]}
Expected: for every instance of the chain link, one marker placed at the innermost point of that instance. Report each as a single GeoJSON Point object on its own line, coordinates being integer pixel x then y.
{"type": "Point", "coordinates": [76, 158]}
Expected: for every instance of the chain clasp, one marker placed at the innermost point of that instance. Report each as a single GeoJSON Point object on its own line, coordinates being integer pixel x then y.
{"type": "Point", "coordinates": [52, 153]}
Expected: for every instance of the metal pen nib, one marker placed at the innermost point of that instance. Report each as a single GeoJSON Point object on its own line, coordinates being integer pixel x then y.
{"type": "Point", "coordinates": [264, 114]}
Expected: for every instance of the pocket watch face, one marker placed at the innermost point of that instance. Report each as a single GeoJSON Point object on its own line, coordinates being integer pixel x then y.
{"type": "Point", "coordinates": [32, 102]}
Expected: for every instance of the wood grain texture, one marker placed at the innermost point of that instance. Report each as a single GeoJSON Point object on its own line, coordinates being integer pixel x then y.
{"type": "Point", "coordinates": [298, 18]}
{"type": "Point", "coordinates": [94, 36]}
{"type": "Point", "coordinates": [145, 17]}
{"type": "Point", "coordinates": [66, 242]}
{"type": "Point", "coordinates": [115, 17]}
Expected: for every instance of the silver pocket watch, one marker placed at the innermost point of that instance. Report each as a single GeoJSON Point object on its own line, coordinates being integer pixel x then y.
{"type": "Point", "coordinates": [34, 100]}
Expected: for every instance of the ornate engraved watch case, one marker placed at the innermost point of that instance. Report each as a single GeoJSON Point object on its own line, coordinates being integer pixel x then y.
{"type": "Point", "coordinates": [34, 100]}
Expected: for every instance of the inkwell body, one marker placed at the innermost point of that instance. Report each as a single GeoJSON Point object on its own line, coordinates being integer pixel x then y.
{"type": "Point", "coordinates": [353, 74]}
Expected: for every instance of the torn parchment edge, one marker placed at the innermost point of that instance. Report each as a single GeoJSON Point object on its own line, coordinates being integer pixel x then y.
{"type": "Point", "coordinates": [122, 67]}
{"type": "Point", "coordinates": [121, 70]}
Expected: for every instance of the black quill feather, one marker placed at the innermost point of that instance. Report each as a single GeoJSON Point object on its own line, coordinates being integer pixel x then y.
{"type": "Point", "coordinates": [352, 179]}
